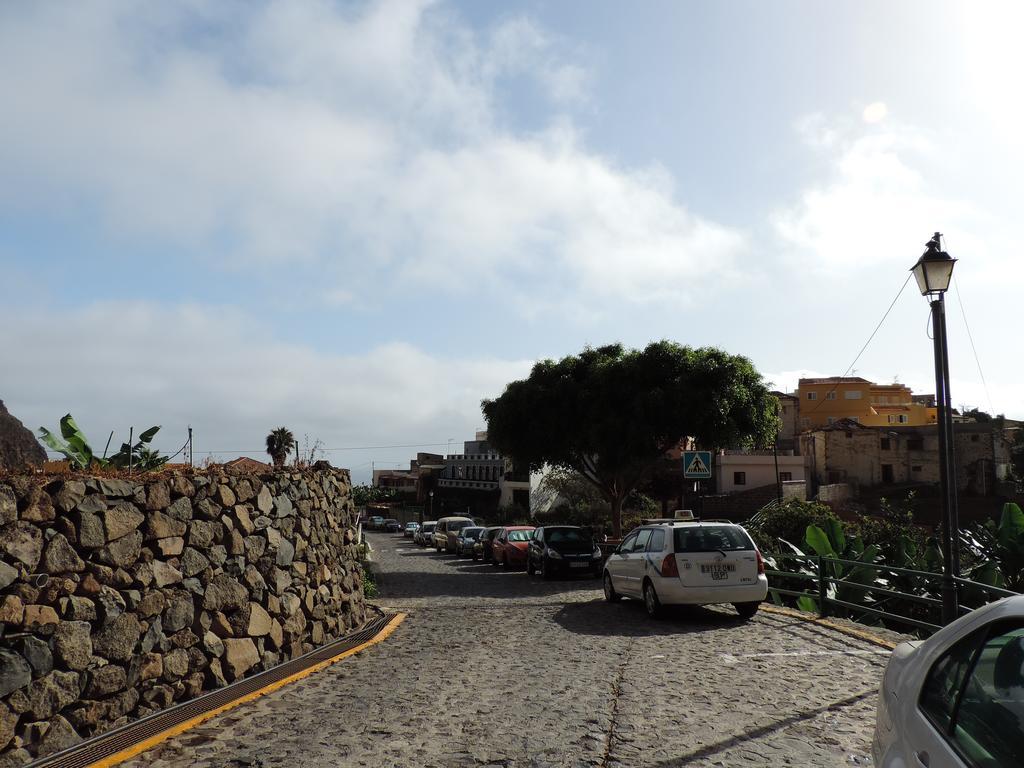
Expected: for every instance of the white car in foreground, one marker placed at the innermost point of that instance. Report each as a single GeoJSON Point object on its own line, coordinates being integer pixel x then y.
{"type": "Point", "coordinates": [688, 563]}
{"type": "Point", "coordinates": [957, 698]}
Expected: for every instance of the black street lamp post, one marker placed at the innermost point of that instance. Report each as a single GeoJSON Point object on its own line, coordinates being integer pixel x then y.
{"type": "Point", "coordinates": [431, 508]}
{"type": "Point", "coordinates": [933, 272]}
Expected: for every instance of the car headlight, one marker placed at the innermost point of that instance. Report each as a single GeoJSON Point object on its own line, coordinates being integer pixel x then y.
{"type": "Point", "coordinates": [554, 555]}
{"type": "Point", "coordinates": [596, 553]}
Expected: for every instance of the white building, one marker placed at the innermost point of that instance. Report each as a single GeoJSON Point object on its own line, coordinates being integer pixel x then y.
{"type": "Point", "coordinates": [743, 470]}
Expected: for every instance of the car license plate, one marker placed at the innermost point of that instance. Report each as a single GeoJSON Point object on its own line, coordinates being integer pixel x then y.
{"type": "Point", "coordinates": [578, 565]}
{"type": "Point", "coordinates": [718, 572]}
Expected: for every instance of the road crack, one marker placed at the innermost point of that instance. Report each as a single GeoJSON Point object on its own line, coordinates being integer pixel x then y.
{"type": "Point", "coordinates": [613, 716]}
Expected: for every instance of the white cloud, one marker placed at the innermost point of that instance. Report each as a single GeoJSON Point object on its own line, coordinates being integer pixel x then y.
{"type": "Point", "coordinates": [361, 141]}
{"type": "Point", "coordinates": [877, 208]}
{"type": "Point", "coordinates": [222, 372]}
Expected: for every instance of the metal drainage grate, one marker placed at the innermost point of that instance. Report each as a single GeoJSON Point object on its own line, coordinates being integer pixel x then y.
{"type": "Point", "coordinates": [112, 742]}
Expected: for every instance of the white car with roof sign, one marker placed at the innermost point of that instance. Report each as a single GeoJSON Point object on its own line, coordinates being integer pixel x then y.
{"type": "Point", "coordinates": [687, 563]}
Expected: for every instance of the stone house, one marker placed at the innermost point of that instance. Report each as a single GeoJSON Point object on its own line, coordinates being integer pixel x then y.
{"type": "Point", "coordinates": [862, 456]}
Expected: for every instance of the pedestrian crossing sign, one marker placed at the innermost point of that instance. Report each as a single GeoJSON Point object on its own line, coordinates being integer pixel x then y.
{"type": "Point", "coordinates": [697, 465]}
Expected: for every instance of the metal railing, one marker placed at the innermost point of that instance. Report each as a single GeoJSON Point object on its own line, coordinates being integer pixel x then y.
{"type": "Point", "coordinates": [820, 574]}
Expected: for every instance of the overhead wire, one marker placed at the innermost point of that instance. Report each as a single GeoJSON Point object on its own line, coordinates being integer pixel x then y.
{"type": "Point", "coordinates": [974, 349]}
{"type": "Point", "coordinates": [866, 343]}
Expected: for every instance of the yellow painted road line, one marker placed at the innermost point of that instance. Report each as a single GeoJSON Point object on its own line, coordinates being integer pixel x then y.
{"type": "Point", "coordinates": [151, 742]}
{"type": "Point", "coordinates": [860, 634]}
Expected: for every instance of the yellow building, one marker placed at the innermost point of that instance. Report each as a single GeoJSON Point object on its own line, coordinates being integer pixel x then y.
{"type": "Point", "coordinates": [826, 401]}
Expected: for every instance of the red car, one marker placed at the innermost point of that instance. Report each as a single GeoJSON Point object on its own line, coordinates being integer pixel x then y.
{"type": "Point", "coordinates": [510, 545]}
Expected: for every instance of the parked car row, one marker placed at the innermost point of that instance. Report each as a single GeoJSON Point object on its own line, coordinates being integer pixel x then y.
{"type": "Point", "coordinates": [378, 523]}
{"type": "Point", "coordinates": [549, 550]}
{"type": "Point", "coordinates": [664, 563]}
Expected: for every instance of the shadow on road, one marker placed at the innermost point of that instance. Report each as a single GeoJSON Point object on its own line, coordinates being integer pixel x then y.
{"type": "Point", "coordinates": [710, 750]}
{"type": "Point", "coordinates": [629, 619]}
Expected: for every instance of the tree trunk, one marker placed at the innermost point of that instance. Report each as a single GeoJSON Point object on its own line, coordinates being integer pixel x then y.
{"type": "Point", "coordinates": [616, 516]}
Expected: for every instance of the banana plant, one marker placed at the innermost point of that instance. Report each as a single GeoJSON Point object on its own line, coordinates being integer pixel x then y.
{"type": "Point", "coordinates": [75, 447]}
{"type": "Point", "coordinates": [139, 456]}
{"type": "Point", "coordinates": [999, 549]}
{"type": "Point", "coordinates": [830, 541]}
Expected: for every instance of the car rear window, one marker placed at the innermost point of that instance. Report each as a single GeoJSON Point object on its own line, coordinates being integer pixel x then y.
{"type": "Point", "coordinates": [473, 533]}
{"type": "Point", "coordinates": [711, 538]}
{"type": "Point", "coordinates": [428, 527]}
{"type": "Point", "coordinates": [458, 525]}
{"type": "Point", "coordinates": [520, 535]}
{"type": "Point", "coordinates": [566, 536]}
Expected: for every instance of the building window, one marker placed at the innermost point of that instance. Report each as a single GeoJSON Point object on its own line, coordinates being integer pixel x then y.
{"type": "Point", "coordinates": [885, 444]}
{"type": "Point", "coordinates": [812, 395]}
{"type": "Point", "coordinates": [805, 422]}
{"type": "Point", "coordinates": [830, 395]}
{"type": "Point", "coordinates": [739, 478]}
{"type": "Point", "coordinates": [915, 444]}
{"type": "Point", "coordinates": [974, 438]}
{"type": "Point", "coordinates": [916, 468]}
{"type": "Point", "coordinates": [853, 394]}
{"type": "Point", "coordinates": [785, 477]}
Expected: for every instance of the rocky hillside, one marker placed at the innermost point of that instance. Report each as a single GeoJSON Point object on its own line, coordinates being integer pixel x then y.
{"type": "Point", "coordinates": [18, 446]}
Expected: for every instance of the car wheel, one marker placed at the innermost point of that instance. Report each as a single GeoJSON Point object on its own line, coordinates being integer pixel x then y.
{"type": "Point", "coordinates": [746, 610]}
{"type": "Point", "coordinates": [494, 562]}
{"type": "Point", "coordinates": [545, 569]}
{"type": "Point", "coordinates": [651, 601]}
{"type": "Point", "coordinates": [474, 557]}
{"type": "Point", "coordinates": [609, 589]}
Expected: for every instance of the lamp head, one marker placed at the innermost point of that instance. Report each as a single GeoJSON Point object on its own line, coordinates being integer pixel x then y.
{"type": "Point", "coordinates": [934, 269]}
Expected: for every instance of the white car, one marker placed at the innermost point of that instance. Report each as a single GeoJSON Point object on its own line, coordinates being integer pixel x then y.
{"type": "Point", "coordinates": [689, 563]}
{"type": "Point", "coordinates": [424, 536]}
{"type": "Point", "coordinates": [957, 698]}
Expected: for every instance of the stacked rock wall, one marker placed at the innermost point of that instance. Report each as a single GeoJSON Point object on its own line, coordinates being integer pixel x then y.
{"type": "Point", "coordinates": [121, 596]}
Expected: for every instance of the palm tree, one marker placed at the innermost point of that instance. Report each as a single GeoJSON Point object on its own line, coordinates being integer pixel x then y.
{"type": "Point", "coordinates": [279, 444]}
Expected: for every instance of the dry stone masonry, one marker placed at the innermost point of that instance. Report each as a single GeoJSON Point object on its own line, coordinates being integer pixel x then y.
{"type": "Point", "coordinates": [120, 597]}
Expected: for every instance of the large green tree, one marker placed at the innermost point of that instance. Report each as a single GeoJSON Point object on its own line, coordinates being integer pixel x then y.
{"type": "Point", "coordinates": [610, 413]}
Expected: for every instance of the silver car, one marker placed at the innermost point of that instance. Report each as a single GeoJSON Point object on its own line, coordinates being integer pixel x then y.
{"type": "Point", "coordinates": [957, 698]}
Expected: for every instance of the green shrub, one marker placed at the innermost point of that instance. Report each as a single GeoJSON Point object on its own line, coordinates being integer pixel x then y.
{"type": "Point", "coordinates": [787, 522]}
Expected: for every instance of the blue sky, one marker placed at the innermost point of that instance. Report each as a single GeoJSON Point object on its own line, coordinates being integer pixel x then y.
{"type": "Point", "coordinates": [359, 219]}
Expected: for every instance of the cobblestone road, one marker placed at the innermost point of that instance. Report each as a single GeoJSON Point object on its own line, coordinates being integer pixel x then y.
{"type": "Point", "coordinates": [500, 669]}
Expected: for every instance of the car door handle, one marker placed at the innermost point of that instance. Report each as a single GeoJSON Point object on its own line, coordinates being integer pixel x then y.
{"type": "Point", "coordinates": [922, 758]}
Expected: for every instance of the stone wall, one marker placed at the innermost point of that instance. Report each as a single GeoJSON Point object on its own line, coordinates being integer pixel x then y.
{"type": "Point", "coordinates": [122, 596]}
